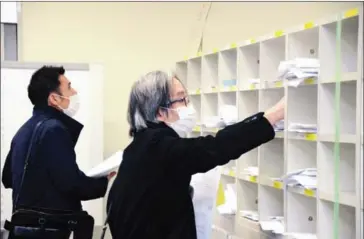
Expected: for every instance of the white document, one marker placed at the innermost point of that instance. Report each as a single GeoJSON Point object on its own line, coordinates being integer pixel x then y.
{"type": "Point", "coordinates": [274, 226]}
{"type": "Point", "coordinates": [107, 166]}
{"type": "Point", "coordinates": [205, 187]}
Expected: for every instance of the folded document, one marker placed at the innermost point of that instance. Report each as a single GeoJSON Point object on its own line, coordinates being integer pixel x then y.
{"type": "Point", "coordinates": [107, 166]}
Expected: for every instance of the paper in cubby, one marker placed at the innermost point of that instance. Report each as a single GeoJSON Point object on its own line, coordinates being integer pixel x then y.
{"type": "Point", "coordinates": [294, 72]}
{"type": "Point", "coordinates": [306, 178]}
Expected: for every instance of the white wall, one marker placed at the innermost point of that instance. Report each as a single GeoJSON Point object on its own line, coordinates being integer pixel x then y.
{"type": "Point", "coordinates": [130, 38]}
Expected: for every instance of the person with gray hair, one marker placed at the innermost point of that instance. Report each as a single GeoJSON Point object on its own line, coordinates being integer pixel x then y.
{"type": "Point", "coordinates": [150, 197]}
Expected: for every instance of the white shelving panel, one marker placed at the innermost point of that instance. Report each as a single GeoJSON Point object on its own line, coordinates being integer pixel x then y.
{"type": "Point", "coordinates": [230, 76]}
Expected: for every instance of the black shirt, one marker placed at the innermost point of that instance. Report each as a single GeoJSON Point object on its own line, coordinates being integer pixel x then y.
{"type": "Point", "coordinates": [150, 195]}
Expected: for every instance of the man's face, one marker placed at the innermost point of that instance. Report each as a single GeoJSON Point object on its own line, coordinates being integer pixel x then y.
{"type": "Point", "coordinates": [61, 99]}
{"type": "Point", "coordinates": [179, 98]}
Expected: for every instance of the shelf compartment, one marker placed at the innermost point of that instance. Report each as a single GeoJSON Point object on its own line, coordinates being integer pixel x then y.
{"type": "Point", "coordinates": [209, 105]}
{"type": "Point", "coordinates": [227, 98]}
{"type": "Point", "coordinates": [210, 82]}
{"type": "Point", "coordinates": [347, 172]}
{"type": "Point", "coordinates": [249, 159]}
{"type": "Point", "coordinates": [301, 155]}
{"type": "Point", "coordinates": [194, 74]}
{"type": "Point", "coordinates": [248, 103]}
{"type": "Point", "coordinates": [347, 109]}
{"type": "Point", "coordinates": [304, 44]}
{"type": "Point", "coordinates": [271, 203]}
{"type": "Point", "coordinates": [302, 106]}
{"type": "Point", "coordinates": [301, 214]}
{"type": "Point", "coordinates": [248, 66]}
{"type": "Point", "coordinates": [272, 52]}
{"type": "Point", "coordinates": [218, 233]}
{"type": "Point", "coordinates": [226, 221]}
{"type": "Point", "coordinates": [347, 222]}
{"type": "Point", "coordinates": [196, 102]}
{"type": "Point", "coordinates": [229, 169]}
{"type": "Point", "coordinates": [269, 97]}
{"type": "Point", "coordinates": [349, 48]}
{"type": "Point", "coordinates": [181, 72]}
{"type": "Point", "coordinates": [246, 228]}
{"type": "Point", "coordinates": [247, 201]}
{"type": "Point", "coordinates": [271, 162]}
{"type": "Point", "coordinates": [247, 196]}
{"type": "Point", "coordinates": [227, 73]}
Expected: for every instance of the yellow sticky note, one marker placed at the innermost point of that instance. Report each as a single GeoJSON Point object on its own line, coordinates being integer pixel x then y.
{"type": "Point", "coordinates": [199, 53]}
{"type": "Point", "coordinates": [198, 92]}
{"type": "Point", "coordinates": [278, 33]}
{"type": "Point", "coordinates": [277, 184]}
{"type": "Point", "coordinates": [309, 193]}
{"type": "Point", "coordinates": [197, 128]}
{"type": "Point", "coordinates": [351, 13]}
{"type": "Point", "coordinates": [233, 45]}
{"type": "Point", "coordinates": [232, 173]}
{"type": "Point", "coordinates": [253, 179]}
{"type": "Point", "coordinates": [214, 89]}
{"type": "Point", "coordinates": [220, 199]}
{"type": "Point", "coordinates": [252, 87]}
{"type": "Point", "coordinates": [185, 58]}
{"type": "Point", "coordinates": [309, 25]}
{"type": "Point", "coordinates": [278, 84]}
{"type": "Point", "coordinates": [309, 81]}
{"type": "Point", "coordinates": [215, 50]}
{"type": "Point", "coordinates": [252, 41]}
{"type": "Point", "coordinates": [311, 137]}
{"type": "Point", "coordinates": [233, 88]}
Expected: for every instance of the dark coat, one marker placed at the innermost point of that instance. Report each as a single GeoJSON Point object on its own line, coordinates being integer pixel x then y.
{"type": "Point", "coordinates": [150, 195]}
{"type": "Point", "coordinates": [53, 179]}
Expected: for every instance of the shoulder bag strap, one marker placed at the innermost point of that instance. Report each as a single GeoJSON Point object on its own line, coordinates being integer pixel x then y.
{"type": "Point", "coordinates": [26, 162]}
{"type": "Point", "coordinates": [104, 228]}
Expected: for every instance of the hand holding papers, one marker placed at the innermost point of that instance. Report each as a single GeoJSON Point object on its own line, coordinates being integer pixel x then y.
{"type": "Point", "coordinates": [108, 166]}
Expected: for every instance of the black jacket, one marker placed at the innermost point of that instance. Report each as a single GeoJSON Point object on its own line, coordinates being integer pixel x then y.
{"type": "Point", "coordinates": [150, 195]}
{"type": "Point", "coordinates": [53, 179]}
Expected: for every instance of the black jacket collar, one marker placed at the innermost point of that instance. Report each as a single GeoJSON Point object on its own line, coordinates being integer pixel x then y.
{"type": "Point", "coordinates": [161, 126]}
{"type": "Point", "coordinates": [71, 124]}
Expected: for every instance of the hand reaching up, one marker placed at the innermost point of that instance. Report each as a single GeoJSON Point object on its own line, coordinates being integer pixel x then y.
{"type": "Point", "coordinates": [276, 113]}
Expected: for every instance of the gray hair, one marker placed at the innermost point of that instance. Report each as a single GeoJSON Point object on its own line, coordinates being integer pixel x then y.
{"type": "Point", "coordinates": [147, 96]}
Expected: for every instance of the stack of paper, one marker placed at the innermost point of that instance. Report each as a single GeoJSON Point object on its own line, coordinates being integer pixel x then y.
{"type": "Point", "coordinates": [229, 207]}
{"type": "Point", "coordinates": [254, 81]}
{"type": "Point", "coordinates": [302, 128]}
{"type": "Point", "coordinates": [251, 215]}
{"type": "Point", "coordinates": [290, 235]}
{"type": "Point", "coordinates": [274, 225]}
{"type": "Point", "coordinates": [279, 126]}
{"type": "Point", "coordinates": [107, 166]}
{"type": "Point", "coordinates": [306, 178]}
{"type": "Point", "coordinates": [229, 114]}
{"type": "Point", "coordinates": [296, 71]}
{"type": "Point", "coordinates": [213, 122]}
{"type": "Point", "coordinates": [251, 171]}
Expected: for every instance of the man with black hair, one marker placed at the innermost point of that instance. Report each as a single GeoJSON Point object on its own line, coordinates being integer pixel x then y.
{"type": "Point", "coordinates": [52, 179]}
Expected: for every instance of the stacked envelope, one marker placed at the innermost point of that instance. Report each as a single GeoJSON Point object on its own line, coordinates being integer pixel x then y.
{"type": "Point", "coordinates": [294, 72]}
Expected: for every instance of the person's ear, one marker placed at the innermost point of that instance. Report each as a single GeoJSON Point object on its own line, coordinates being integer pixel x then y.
{"type": "Point", "coordinates": [161, 114]}
{"type": "Point", "coordinates": [53, 99]}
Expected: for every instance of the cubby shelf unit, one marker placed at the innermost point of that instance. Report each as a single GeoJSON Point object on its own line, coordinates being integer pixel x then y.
{"type": "Point", "coordinates": [229, 76]}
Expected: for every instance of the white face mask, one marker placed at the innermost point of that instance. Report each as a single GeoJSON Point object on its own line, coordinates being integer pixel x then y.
{"type": "Point", "coordinates": [186, 122]}
{"type": "Point", "coordinates": [73, 106]}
